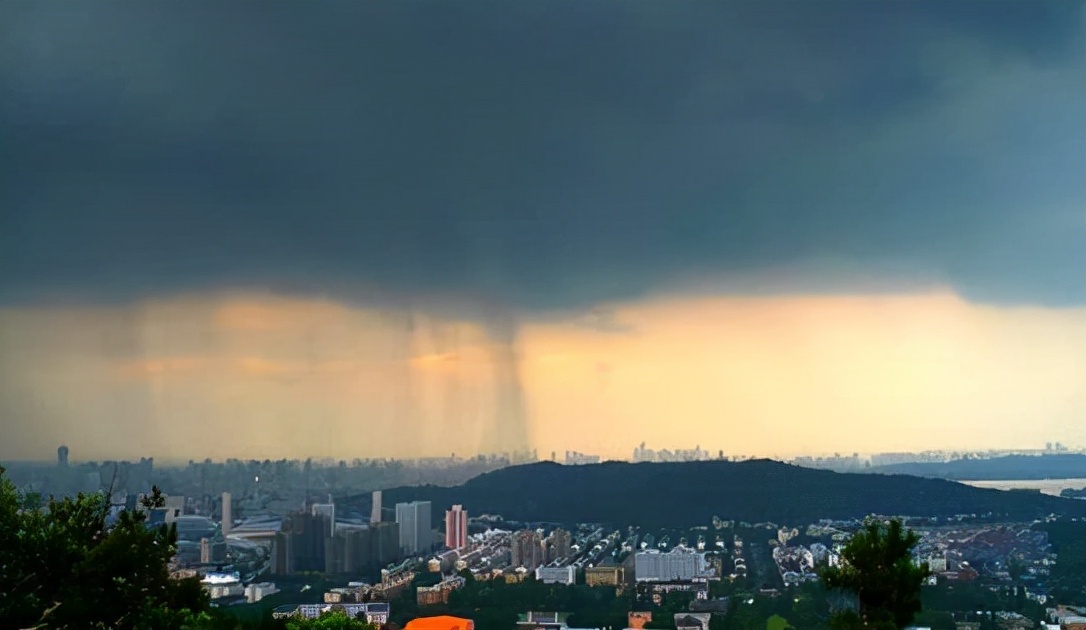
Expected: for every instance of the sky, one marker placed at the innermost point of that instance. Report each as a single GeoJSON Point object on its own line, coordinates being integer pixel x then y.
{"type": "Point", "coordinates": [358, 229]}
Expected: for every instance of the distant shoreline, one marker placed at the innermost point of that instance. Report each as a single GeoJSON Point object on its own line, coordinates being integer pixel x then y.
{"type": "Point", "coordinates": [1051, 487]}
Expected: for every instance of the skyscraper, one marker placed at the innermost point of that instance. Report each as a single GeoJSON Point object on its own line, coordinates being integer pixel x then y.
{"type": "Point", "coordinates": [227, 514]}
{"type": "Point", "coordinates": [414, 521]}
{"type": "Point", "coordinates": [375, 512]}
{"type": "Point", "coordinates": [384, 543]}
{"type": "Point", "coordinates": [456, 527]}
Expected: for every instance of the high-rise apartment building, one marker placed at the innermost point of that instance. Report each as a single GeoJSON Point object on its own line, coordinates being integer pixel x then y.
{"type": "Point", "coordinates": [227, 514]}
{"type": "Point", "coordinates": [456, 527]}
{"type": "Point", "coordinates": [328, 511]}
{"type": "Point", "coordinates": [526, 549]}
{"type": "Point", "coordinates": [300, 545]}
{"type": "Point", "coordinates": [375, 511]}
{"type": "Point", "coordinates": [414, 521]}
{"type": "Point", "coordinates": [561, 542]}
{"type": "Point", "coordinates": [385, 543]}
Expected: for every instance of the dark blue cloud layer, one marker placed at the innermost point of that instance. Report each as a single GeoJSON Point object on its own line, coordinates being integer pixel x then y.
{"type": "Point", "coordinates": [550, 154]}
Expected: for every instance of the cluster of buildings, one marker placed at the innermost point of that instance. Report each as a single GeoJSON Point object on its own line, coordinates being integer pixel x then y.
{"type": "Point", "coordinates": [696, 454]}
{"type": "Point", "coordinates": [800, 563]}
{"type": "Point", "coordinates": [315, 540]}
{"type": "Point", "coordinates": [370, 612]}
{"type": "Point", "coordinates": [312, 541]}
{"type": "Point", "coordinates": [963, 553]}
{"type": "Point", "coordinates": [796, 564]}
{"type": "Point", "coordinates": [657, 573]}
{"type": "Point", "coordinates": [529, 548]}
{"type": "Point", "coordinates": [438, 593]}
{"type": "Point", "coordinates": [229, 555]}
{"type": "Point", "coordinates": [856, 461]}
{"type": "Point", "coordinates": [573, 458]}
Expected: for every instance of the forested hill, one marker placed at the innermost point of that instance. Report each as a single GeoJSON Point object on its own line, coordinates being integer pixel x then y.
{"type": "Point", "coordinates": [1064, 466]}
{"type": "Point", "coordinates": [690, 494]}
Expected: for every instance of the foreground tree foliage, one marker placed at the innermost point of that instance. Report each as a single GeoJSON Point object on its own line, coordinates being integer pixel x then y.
{"type": "Point", "coordinates": [332, 620]}
{"type": "Point", "coordinates": [64, 567]}
{"type": "Point", "coordinates": [878, 568]}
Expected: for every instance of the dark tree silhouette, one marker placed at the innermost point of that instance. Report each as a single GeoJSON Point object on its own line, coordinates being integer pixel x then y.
{"type": "Point", "coordinates": [65, 567]}
{"type": "Point", "coordinates": [878, 568]}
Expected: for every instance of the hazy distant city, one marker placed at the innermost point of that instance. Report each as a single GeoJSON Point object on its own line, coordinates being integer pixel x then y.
{"type": "Point", "coordinates": [197, 478]}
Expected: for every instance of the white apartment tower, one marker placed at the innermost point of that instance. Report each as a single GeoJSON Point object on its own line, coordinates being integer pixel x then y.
{"type": "Point", "coordinates": [375, 512]}
{"type": "Point", "coordinates": [414, 521]}
{"type": "Point", "coordinates": [227, 515]}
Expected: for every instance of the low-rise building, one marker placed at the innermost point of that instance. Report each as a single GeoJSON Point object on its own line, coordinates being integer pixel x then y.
{"type": "Point", "coordinates": [438, 593]}
{"type": "Point", "coordinates": [557, 575]}
{"type": "Point", "coordinates": [604, 576]}
{"type": "Point", "coordinates": [653, 566]}
{"type": "Point", "coordinates": [256, 592]}
{"type": "Point", "coordinates": [370, 612]}
{"type": "Point", "coordinates": [543, 621]}
{"type": "Point", "coordinates": [223, 585]}
{"type": "Point", "coordinates": [343, 595]}
{"type": "Point", "coordinates": [692, 621]}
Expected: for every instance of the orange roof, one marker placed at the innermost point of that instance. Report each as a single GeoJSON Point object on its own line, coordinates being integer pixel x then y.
{"type": "Point", "coordinates": [442, 622]}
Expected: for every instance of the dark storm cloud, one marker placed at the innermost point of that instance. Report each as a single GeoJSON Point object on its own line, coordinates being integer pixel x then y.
{"type": "Point", "coordinates": [546, 154]}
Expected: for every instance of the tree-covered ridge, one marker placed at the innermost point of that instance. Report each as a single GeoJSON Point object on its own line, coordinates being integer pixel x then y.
{"type": "Point", "coordinates": [64, 567]}
{"type": "Point", "coordinates": [692, 493]}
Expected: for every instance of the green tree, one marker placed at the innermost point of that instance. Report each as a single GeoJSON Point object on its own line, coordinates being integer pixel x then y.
{"type": "Point", "coordinates": [878, 568]}
{"type": "Point", "coordinates": [64, 567]}
{"type": "Point", "coordinates": [810, 607]}
{"type": "Point", "coordinates": [935, 620]}
{"type": "Point", "coordinates": [331, 620]}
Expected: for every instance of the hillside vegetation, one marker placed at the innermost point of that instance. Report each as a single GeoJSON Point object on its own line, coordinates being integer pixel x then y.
{"type": "Point", "coordinates": [691, 493]}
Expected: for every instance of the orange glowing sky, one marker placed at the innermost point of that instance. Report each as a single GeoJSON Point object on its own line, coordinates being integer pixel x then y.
{"type": "Point", "coordinates": [251, 375]}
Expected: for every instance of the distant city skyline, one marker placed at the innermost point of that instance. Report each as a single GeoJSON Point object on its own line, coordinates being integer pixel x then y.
{"type": "Point", "coordinates": [674, 453]}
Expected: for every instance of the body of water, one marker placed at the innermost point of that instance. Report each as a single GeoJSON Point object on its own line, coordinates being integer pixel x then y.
{"type": "Point", "coordinates": [1046, 486]}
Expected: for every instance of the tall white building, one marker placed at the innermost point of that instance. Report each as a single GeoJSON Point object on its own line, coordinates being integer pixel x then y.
{"type": "Point", "coordinates": [414, 521]}
{"type": "Point", "coordinates": [227, 514]}
{"type": "Point", "coordinates": [375, 512]}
